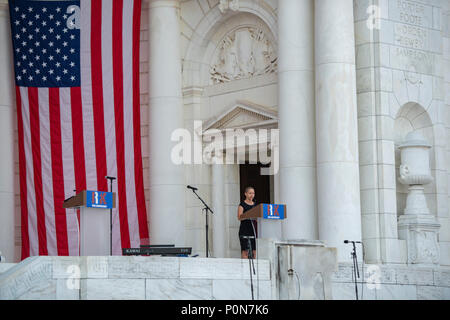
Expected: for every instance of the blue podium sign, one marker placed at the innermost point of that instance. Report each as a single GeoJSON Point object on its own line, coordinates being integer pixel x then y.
{"type": "Point", "coordinates": [99, 199]}
{"type": "Point", "coordinates": [274, 211]}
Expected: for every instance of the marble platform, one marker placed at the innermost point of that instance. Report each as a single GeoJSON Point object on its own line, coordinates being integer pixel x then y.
{"type": "Point", "coordinates": [392, 282]}
{"type": "Point", "coordinates": [286, 270]}
{"type": "Point", "coordinates": [136, 278]}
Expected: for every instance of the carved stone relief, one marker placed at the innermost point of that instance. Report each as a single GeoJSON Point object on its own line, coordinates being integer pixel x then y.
{"type": "Point", "coordinates": [412, 87]}
{"type": "Point", "coordinates": [243, 53]}
{"type": "Point", "coordinates": [427, 248]}
{"type": "Point", "coordinates": [224, 5]}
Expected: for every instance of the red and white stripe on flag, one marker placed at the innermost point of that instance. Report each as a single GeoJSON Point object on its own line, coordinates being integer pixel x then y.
{"type": "Point", "coordinates": [72, 137]}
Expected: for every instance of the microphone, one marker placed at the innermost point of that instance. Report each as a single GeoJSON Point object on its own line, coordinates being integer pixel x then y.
{"type": "Point", "coordinates": [111, 178]}
{"type": "Point", "coordinates": [193, 188]}
{"type": "Point", "coordinates": [348, 241]}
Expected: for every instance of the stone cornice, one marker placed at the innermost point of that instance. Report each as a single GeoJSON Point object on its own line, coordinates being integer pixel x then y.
{"type": "Point", "coordinates": [163, 3]}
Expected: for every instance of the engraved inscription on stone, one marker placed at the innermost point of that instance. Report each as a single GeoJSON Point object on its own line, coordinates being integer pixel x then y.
{"type": "Point", "coordinates": [411, 36]}
{"type": "Point", "coordinates": [412, 60]}
{"type": "Point", "coordinates": [410, 12]}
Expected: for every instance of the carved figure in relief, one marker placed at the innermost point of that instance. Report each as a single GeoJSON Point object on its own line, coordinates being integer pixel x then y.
{"type": "Point", "coordinates": [244, 53]}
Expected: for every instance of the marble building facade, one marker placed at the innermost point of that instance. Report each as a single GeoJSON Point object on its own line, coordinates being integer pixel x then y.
{"type": "Point", "coordinates": [344, 81]}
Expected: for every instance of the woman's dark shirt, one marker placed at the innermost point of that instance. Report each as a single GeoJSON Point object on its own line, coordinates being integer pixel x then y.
{"type": "Point", "coordinates": [246, 228]}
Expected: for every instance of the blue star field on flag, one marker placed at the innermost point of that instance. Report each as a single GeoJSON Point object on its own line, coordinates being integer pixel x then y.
{"type": "Point", "coordinates": [46, 44]}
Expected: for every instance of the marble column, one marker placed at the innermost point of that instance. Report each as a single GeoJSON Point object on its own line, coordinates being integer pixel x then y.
{"type": "Point", "coordinates": [296, 117]}
{"type": "Point", "coordinates": [336, 126]}
{"type": "Point", "coordinates": [167, 189]}
{"type": "Point", "coordinates": [7, 118]}
{"type": "Point", "coordinates": [218, 204]}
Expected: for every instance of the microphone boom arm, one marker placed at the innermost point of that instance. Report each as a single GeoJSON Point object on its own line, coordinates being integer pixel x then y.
{"type": "Point", "coordinates": [206, 208]}
{"type": "Point", "coordinates": [204, 203]}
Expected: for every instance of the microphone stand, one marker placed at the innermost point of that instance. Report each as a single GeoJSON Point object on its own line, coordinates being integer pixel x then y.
{"type": "Point", "coordinates": [206, 208]}
{"type": "Point", "coordinates": [355, 268]}
{"type": "Point", "coordinates": [250, 262]}
{"type": "Point", "coordinates": [111, 179]}
{"type": "Point", "coordinates": [78, 223]}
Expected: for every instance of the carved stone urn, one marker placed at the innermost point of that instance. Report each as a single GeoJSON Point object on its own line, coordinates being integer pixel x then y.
{"type": "Point", "coordinates": [417, 225]}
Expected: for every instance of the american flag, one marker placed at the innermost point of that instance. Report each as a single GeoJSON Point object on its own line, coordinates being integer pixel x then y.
{"type": "Point", "coordinates": [78, 111]}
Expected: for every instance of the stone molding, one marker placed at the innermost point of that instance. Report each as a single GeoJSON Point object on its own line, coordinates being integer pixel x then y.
{"type": "Point", "coordinates": [163, 3]}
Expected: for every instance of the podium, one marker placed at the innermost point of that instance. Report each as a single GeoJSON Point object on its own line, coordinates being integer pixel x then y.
{"type": "Point", "coordinates": [269, 217]}
{"type": "Point", "coordinates": [94, 227]}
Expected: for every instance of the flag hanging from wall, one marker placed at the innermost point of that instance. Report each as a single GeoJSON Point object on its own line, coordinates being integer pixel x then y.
{"type": "Point", "coordinates": [77, 90]}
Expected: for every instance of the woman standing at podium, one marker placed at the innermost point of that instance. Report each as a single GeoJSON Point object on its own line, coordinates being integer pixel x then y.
{"type": "Point", "coordinates": [247, 227]}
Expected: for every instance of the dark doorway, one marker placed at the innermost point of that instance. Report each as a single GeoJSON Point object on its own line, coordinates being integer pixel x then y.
{"type": "Point", "coordinates": [250, 175]}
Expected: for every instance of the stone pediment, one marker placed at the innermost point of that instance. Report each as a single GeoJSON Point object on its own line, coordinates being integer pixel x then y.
{"type": "Point", "coordinates": [244, 115]}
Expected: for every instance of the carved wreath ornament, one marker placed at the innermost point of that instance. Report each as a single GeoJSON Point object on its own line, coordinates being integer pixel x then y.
{"type": "Point", "coordinates": [243, 53]}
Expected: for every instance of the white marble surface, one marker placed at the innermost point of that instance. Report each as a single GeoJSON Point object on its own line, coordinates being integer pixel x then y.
{"type": "Point", "coordinates": [166, 180]}
{"type": "Point", "coordinates": [178, 289]}
{"type": "Point", "coordinates": [393, 282]}
{"type": "Point", "coordinates": [399, 67]}
{"type": "Point", "coordinates": [225, 269]}
{"type": "Point", "coordinates": [112, 289]}
{"type": "Point", "coordinates": [241, 289]}
{"type": "Point", "coordinates": [29, 278]}
{"type": "Point", "coordinates": [7, 141]}
{"type": "Point", "coordinates": [218, 218]}
{"type": "Point", "coordinates": [205, 279]}
{"type": "Point", "coordinates": [135, 278]}
{"type": "Point", "coordinates": [402, 84]}
{"type": "Point", "coordinates": [67, 289]}
{"type": "Point", "coordinates": [311, 267]}
{"type": "Point", "coordinates": [143, 267]}
{"type": "Point", "coordinates": [338, 187]}
{"type": "Point", "coordinates": [346, 291]}
{"type": "Point", "coordinates": [5, 266]}
{"type": "Point", "coordinates": [296, 117]}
